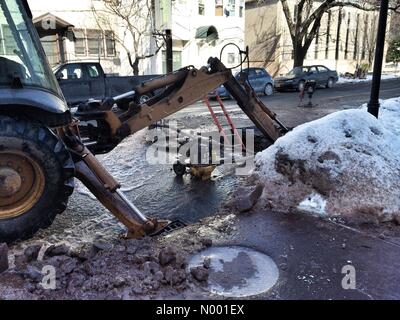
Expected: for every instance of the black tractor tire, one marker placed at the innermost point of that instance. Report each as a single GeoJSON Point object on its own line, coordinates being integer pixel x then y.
{"type": "Point", "coordinates": [48, 153]}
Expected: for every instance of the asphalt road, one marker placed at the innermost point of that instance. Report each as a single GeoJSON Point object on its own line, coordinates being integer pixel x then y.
{"type": "Point", "coordinates": [342, 96]}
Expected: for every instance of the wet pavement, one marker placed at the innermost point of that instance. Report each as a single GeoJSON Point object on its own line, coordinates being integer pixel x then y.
{"type": "Point", "coordinates": [311, 263]}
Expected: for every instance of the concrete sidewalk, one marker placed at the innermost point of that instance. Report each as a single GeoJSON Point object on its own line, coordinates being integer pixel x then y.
{"type": "Point", "coordinates": [311, 252]}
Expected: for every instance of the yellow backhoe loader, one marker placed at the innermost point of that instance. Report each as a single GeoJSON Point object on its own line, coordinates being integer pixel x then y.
{"type": "Point", "coordinates": [44, 146]}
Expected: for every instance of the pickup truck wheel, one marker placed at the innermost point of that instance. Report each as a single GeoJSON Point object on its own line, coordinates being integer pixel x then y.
{"type": "Point", "coordinates": [36, 178]}
{"type": "Point", "coordinates": [144, 98]}
{"type": "Point", "coordinates": [268, 90]}
{"type": "Point", "coordinates": [330, 84]}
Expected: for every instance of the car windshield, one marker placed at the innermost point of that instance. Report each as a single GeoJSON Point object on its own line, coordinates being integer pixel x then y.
{"type": "Point", "coordinates": [297, 71]}
{"type": "Point", "coordinates": [21, 55]}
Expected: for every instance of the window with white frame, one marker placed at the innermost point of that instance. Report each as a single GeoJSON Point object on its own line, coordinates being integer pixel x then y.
{"type": "Point", "coordinates": [92, 42]}
{"type": "Point", "coordinates": [95, 42]}
{"type": "Point", "coordinates": [231, 7]}
{"type": "Point", "coordinates": [241, 8]}
{"type": "Point", "coordinates": [110, 43]}
{"type": "Point", "coordinates": [219, 8]}
{"type": "Point", "coordinates": [80, 42]}
{"type": "Point", "coordinates": [7, 42]}
{"type": "Point", "coordinates": [201, 8]}
{"type": "Point", "coordinates": [176, 58]}
{"type": "Point", "coordinates": [231, 58]}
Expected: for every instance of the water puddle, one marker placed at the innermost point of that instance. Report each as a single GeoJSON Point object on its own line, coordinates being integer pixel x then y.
{"type": "Point", "coordinates": [237, 272]}
{"type": "Point", "coordinates": [155, 189]}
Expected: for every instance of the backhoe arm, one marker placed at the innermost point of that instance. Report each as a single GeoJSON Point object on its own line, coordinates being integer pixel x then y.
{"type": "Point", "coordinates": [182, 89]}
{"type": "Point", "coordinates": [190, 85]}
{"type": "Point", "coordinates": [179, 90]}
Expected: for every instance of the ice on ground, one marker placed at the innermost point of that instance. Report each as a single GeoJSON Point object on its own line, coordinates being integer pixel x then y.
{"type": "Point", "coordinates": [313, 203]}
{"type": "Point", "coordinates": [368, 78]}
{"type": "Point", "coordinates": [347, 164]}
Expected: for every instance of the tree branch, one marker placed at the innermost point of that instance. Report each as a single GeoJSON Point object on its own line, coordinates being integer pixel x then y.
{"type": "Point", "coordinates": [286, 11]}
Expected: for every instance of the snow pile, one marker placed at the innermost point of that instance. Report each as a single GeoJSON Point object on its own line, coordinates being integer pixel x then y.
{"type": "Point", "coordinates": [347, 164]}
{"type": "Point", "coordinates": [368, 78]}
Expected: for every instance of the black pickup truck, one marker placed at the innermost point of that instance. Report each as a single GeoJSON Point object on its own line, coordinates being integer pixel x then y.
{"type": "Point", "coordinates": [81, 81]}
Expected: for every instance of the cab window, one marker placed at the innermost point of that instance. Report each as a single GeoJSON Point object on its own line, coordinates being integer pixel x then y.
{"type": "Point", "coordinates": [93, 71]}
{"type": "Point", "coordinates": [71, 72]}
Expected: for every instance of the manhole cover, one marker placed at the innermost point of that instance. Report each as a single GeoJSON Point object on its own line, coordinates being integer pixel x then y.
{"type": "Point", "coordinates": [237, 271]}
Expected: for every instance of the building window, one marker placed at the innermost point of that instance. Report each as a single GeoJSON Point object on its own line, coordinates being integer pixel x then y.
{"type": "Point", "coordinates": [50, 46]}
{"type": "Point", "coordinates": [231, 7]}
{"type": "Point", "coordinates": [110, 43]}
{"type": "Point", "coordinates": [95, 42]}
{"type": "Point", "coordinates": [219, 8]}
{"type": "Point", "coordinates": [176, 60]}
{"type": "Point", "coordinates": [231, 58]}
{"type": "Point", "coordinates": [92, 42]}
{"type": "Point", "coordinates": [2, 42]}
{"type": "Point", "coordinates": [201, 7]}
{"type": "Point", "coordinates": [80, 42]}
{"type": "Point", "coordinates": [7, 42]}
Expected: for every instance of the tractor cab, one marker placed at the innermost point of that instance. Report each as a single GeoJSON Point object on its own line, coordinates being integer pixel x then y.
{"type": "Point", "coordinates": [26, 79]}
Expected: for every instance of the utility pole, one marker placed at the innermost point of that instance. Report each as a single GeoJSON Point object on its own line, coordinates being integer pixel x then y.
{"type": "Point", "coordinates": [168, 40]}
{"type": "Point", "coordinates": [373, 105]}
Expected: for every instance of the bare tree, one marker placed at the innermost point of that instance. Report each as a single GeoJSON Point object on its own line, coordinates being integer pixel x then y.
{"type": "Point", "coordinates": [305, 23]}
{"type": "Point", "coordinates": [135, 19]}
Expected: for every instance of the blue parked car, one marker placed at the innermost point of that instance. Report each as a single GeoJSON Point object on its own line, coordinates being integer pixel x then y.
{"type": "Point", "coordinates": [259, 79]}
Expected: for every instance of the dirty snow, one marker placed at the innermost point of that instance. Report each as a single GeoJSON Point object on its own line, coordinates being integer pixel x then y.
{"type": "Point", "coordinates": [347, 164]}
{"type": "Point", "coordinates": [368, 78]}
{"type": "Point", "coordinates": [313, 203]}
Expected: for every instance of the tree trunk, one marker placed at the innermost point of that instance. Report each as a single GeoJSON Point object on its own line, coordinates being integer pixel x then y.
{"type": "Point", "coordinates": [134, 64]}
{"type": "Point", "coordinates": [135, 67]}
{"type": "Point", "coordinates": [300, 53]}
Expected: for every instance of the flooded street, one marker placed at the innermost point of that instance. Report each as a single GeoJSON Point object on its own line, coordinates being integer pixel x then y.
{"type": "Point", "coordinates": [154, 188]}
